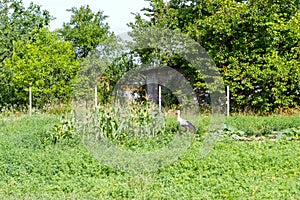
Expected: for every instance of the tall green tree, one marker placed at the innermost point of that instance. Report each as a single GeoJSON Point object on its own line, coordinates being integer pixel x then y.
{"type": "Point", "coordinates": [254, 43]}
{"type": "Point", "coordinates": [86, 29]}
{"type": "Point", "coordinates": [19, 23]}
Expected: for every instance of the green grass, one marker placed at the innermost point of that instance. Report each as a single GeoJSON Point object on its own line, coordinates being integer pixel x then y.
{"type": "Point", "coordinates": [257, 125]}
{"type": "Point", "coordinates": [31, 168]}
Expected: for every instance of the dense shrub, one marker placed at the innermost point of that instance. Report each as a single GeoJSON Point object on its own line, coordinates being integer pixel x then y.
{"type": "Point", "coordinates": [47, 65]}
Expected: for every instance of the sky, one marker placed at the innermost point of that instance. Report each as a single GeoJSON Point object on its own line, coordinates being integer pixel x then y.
{"type": "Point", "coordinates": [118, 11]}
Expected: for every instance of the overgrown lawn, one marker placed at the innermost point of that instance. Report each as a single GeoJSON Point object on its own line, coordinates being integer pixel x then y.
{"type": "Point", "coordinates": [31, 168]}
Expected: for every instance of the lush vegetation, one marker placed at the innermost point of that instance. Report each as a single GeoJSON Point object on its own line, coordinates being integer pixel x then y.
{"type": "Point", "coordinates": [34, 168]}
{"type": "Point", "coordinates": [47, 65]}
{"type": "Point", "coordinates": [48, 61]}
{"type": "Point", "coordinates": [255, 45]}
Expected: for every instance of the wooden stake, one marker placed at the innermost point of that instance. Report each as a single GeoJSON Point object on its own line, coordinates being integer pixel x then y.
{"type": "Point", "coordinates": [228, 101]}
{"type": "Point", "coordinates": [96, 97]}
{"type": "Point", "coordinates": [30, 101]}
{"type": "Point", "coordinates": [159, 97]}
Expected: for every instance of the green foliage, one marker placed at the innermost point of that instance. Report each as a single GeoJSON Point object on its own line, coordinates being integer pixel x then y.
{"type": "Point", "coordinates": [255, 44]}
{"type": "Point", "coordinates": [103, 73]}
{"type": "Point", "coordinates": [257, 125]}
{"type": "Point", "coordinates": [233, 170]}
{"type": "Point", "coordinates": [47, 65]}
{"type": "Point", "coordinates": [133, 126]}
{"type": "Point", "coordinates": [86, 30]}
{"type": "Point", "coordinates": [112, 74]}
{"type": "Point", "coordinates": [18, 23]}
{"type": "Point", "coordinates": [62, 132]}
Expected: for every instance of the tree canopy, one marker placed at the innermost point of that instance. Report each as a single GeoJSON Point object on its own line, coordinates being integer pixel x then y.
{"type": "Point", "coordinates": [86, 29]}
{"type": "Point", "coordinates": [255, 44]}
{"type": "Point", "coordinates": [47, 65]}
{"type": "Point", "coordinates": [19, 23]}
{"type": "Point", "coordinates": [33, 56]}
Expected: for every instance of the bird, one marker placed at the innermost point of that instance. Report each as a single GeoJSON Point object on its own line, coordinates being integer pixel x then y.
{"type": "Point", "coordinates": [184, 123]}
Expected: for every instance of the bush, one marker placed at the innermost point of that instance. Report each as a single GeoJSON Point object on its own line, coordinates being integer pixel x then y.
{"type": "Point", "coordinates": [47, 65]}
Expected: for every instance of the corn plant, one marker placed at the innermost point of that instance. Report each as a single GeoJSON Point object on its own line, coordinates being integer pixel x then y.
{"type": "Point", "coordinates": [133, 121]}
{"type": "Point", "coordinates": [64, 131]}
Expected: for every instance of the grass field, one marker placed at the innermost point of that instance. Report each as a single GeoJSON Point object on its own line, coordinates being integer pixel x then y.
{"type": "Point", "coordinates": [258, 169]}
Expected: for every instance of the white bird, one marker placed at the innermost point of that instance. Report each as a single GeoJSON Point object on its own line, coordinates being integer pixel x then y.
{"type": "Point", "coordinates": [186, 124]}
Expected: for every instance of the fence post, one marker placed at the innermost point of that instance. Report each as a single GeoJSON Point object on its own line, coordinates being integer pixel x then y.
{"type": "Point", "coordinates": [228, 101]}
{"type": "Point", "coordinates": [159, 97]}
{"type": "Point", "coordinates": [30, 101]}
{"type": "Point", "coordinates": [96, 97]}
